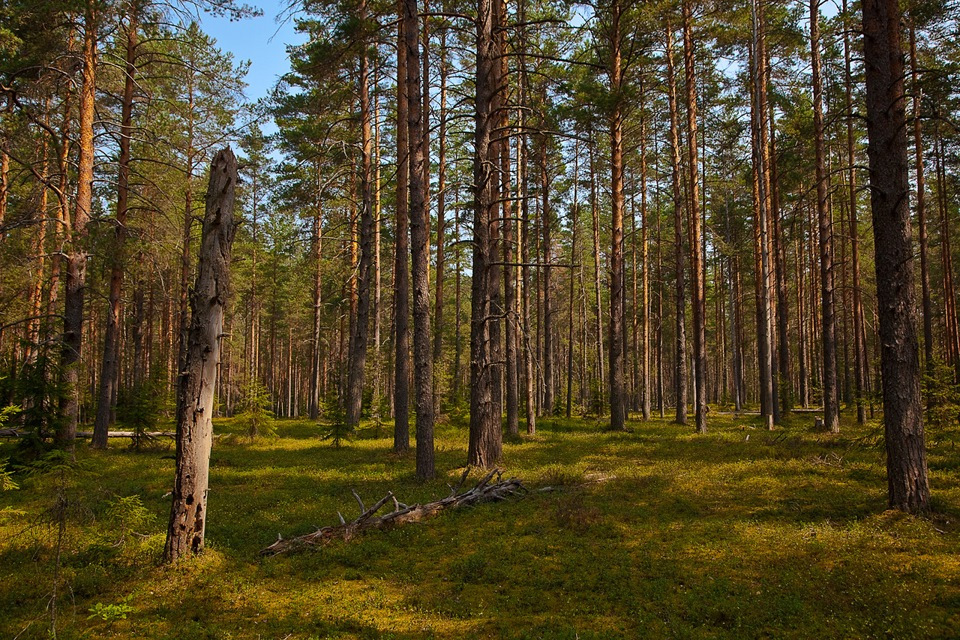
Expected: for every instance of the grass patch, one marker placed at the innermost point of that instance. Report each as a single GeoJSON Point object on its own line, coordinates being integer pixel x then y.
{"type": "Point", "coordinates": [656, 532]}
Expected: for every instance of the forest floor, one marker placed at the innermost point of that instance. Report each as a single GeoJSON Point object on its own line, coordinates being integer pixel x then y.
{"type": "Point", "coordinates": [652, 533]}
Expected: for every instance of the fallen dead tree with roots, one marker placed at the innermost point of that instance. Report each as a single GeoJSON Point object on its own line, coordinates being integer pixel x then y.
{"type": "Point", "coordinates": [487, 490]}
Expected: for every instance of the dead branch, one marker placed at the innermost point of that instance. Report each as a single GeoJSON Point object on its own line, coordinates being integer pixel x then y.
{"type": "Point", "coordinates": [486, 490]}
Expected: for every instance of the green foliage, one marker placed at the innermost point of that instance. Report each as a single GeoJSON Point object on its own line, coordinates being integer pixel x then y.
{"type": "Point", "coordinates": [127, 514]}
{"type": "Point", "coordinates": [652, 533]}
{"type": "Point", "coordinates": [7, 483]}
{"type": "Point", "coordinates": [111, 612]}
{"type": "Point", "coordinates": [37, 387]}
{"type": "Point", "coordinates": [944, 396]}
{"type": "Point", "coordinates": [142, 408]}
{"type": "Point", "coordinates": [255, 415]}
{"type": "Point", "coordinates": [334, 421]}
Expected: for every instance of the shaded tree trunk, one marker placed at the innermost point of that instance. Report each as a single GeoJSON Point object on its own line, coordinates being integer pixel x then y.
{"type": "Point", "coordinates": [694, 230]}
{"type": "Point", "coordinates": [680, 371]}
{"type": "Point", "coordinates": [485, 442]}
{"type": "Point", "coordinates": [926, 304]}
{"type": "Point", "coordinates": [360, 329]}
{"type": "Point", "coordinates": [401, 296]}
{"type": "Point", "coordinates": [831, 410]}
{"type": "Point", "coordinates": [908, 489]}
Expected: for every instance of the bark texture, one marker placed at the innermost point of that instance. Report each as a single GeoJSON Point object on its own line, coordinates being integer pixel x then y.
{"type": "Point", "coordinates": [196, 386]}
{"type": "Point", "coordinates": [420, 249]}
{"type": "Point", "coordinates": [908, 489]}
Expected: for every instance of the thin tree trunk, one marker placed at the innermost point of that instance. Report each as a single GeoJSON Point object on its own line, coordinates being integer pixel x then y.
{"type": "Point", "coordinates": [831, 411]}
{"type": "Point", "coordinates": [694, 229]}
{"type": "Point", "coordinates": [420, 250]}
{"type": "Point", "coordinates": [360, 329]}
{"type": "Point", "coordinates": [926, 304]}
{"type": "Point", "coordinates": [546, 271]}
{"type": "Point", "coordinates": [595, 213]}
{"type": "Point", "coordinates": [761, 226]}
{"type": "Point", "coordinates": [315, 384]}
{"type": "Point", "coordinates": [401, 296]}
{"type": "Point", "coordinates": [111, 342]}
{"type": "Point", "coordinates": [680, 371]}
{"type": "Point", "coordinates": [441, 219]}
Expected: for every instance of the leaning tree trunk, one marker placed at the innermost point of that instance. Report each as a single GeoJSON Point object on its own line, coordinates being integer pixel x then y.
{"type": "Point", "coordinates": [195, 390]}
{"type": "Point", "coordinates": [889, 187]}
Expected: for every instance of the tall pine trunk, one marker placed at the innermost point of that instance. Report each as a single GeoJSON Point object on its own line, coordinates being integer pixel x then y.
{"type": "Point", "coordinates": [77, 233]}
{"type": "Point", "coordinates": [359, 331]}
{"type": "Point", "coordinates": [485, 442]}
{"type": "Point", "coordinates": [693, 225]}
{"type": "Point", "coordinates": [401, 295]}
{"type": "Point", "coordinates": [111, 342]}
{"type": "Point", "coordinates": [831, 409]}
{"type": "Point", "coordinates": [908, 489]}
{"type": "Point", "coordinates": [420, 250]}
{"type": "Point", "coordinates": [680, 336]}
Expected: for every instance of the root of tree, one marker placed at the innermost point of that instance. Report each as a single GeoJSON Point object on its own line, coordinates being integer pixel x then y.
{"type": "Point", "coordinates": [487, 490]}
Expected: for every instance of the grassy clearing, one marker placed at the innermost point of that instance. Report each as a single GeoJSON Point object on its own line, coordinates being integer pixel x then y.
{"type": "Point", "coordinates": [652, 533]}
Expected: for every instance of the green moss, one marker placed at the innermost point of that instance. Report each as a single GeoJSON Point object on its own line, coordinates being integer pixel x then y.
{"type": "Point", "coordinates": [655, 532]}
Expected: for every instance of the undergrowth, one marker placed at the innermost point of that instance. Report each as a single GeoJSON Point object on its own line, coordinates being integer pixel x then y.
{"type": "Point", "coordinates": [655, 532]}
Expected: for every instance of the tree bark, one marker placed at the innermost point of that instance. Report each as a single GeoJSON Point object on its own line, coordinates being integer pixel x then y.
{"type": "Point", "coordinates": [485, 442]}
{"type": "Point", "coordinates": [761, 225]}
{"type": "Point", "coordinates": [617, 291]}
{"type": "Point", "coordinates": [360, 329]}
{"type": "Point", "coordinates": [420, 249]}
{"type": "Point", "coordinates": [908, 489]}
{"type": "Point", "coordinates": [111, 342]}
{"type": "Point", "coordinates": [188, 512]}
{"type": "Point", "coordinates": [680, 371]}
{"type": "Point", "coordinates": [694, 230]}
{"type": "Point", "coordinates": [401, 295]}
{"type": "Point", "coordinates": [926, 304]}
{"type": "Point", "coordinates": [831, 410]}
{"type": "Point", "coordinates": [77, 233]}
{"type": "Point", "coordinates": [317, 251]}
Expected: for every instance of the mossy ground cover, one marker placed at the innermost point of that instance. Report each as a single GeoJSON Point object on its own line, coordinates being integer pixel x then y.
{"type": "Point", "coordinates": [656, 532]}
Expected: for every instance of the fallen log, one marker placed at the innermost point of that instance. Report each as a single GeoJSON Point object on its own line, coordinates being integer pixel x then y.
{"type": "Point", "coordinates": [484, 491]}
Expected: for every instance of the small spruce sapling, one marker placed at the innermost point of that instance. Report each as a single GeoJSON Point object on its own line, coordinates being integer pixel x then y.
{"type": "Point", "coordinates": [335, 424]}
{"type": "Point", "coordinates": [255, 414]}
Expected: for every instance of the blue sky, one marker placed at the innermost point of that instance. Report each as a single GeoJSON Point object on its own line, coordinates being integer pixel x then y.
{"type": "Point", "coordinates": [261, 40]}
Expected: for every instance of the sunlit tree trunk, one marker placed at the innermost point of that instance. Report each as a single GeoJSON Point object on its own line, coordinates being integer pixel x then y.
{"type": "Point", "coordinates": [111, 344]}
{"type": "Point", "coordinates": [693, 226]}
{"type": "Point", "coordinates": [420, 250]}
{"type": "Point", "coordinates": [76, 241]}
{"type": "Point", "coordinates": [188, 511]}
